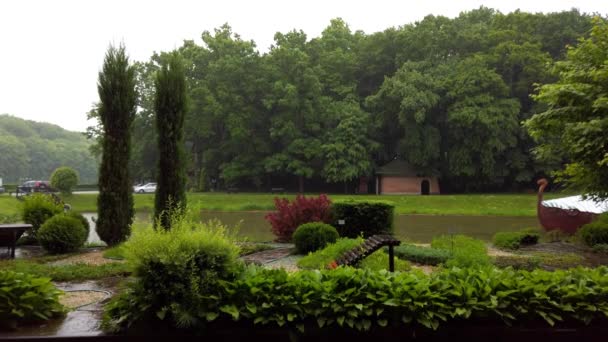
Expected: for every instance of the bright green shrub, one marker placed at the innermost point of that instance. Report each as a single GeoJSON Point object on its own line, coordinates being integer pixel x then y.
{"type": "Point", "coordinates": [180, 272]}
{"type": "Point", "coordinates": [62, 234]}
{"type": "Point", "coordinates": [320, 259]}
{"type": "Point", "coordinates": [82, 219]}
{"type": "Point", "coordinates": [312, 236]}
{"type": "Point", "coordinates": [363, 299]}
{"type": "Point", "coordinates": [466, 251]}
{"type": "Point", "coordinates": [37, 208]}
{"type": "Point", "coordinates": [422, 255]}
{"type": "Point", "coordinates": [24, 297]}
{"type": "Point", "coordinates": [595, 232]}
{"type": "Point", "coordinates": [514, 240]}
{"type": "Point", "coordinates": [64, 179]}
{"type": "Point", "coordinates": [362, 218]}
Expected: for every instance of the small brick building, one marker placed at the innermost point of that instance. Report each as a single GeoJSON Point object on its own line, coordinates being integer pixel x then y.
{"type": "Point", "coordinates": [398, 177]}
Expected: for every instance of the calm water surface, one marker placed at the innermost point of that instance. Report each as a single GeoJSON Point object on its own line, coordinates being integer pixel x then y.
{"type": "Point", "coordinates": [415, 228]}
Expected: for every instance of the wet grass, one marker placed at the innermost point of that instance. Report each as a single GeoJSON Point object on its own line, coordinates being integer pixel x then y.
{"type": "Point", "coordinates": [40, 267]}
{"type": "Point", "coordinates": [470, 204]}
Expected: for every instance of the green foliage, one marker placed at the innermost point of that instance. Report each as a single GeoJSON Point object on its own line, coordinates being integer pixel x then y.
{"type": "Point", "coordinates": [116, 252]}
{"type": "Point", "coordinates": [312, 236]}
{"type": "Point", "coordinates": [170, 106]}
{"type": "Point", "coordinates": [574, 123]}
{"type": "Point", "coordinates": [9, 218]}
{"type": "Point", "coordinates": [24, 297]}
{"type": "Point", "coordinates": [116, 111]}
{"type": "Point", "coordinates": [422, 255]}
{"type": "Point", "coordinates": [64, 179]}
{"type": "Point", "coordinates": [379, 260]}
{"type": "Point", "coordinates": [364, 299]}
{"type": "Point", "coordinates": [376, 261]}
{"type": "Point", "coordinates": [34, 149]}
{"type": "Point", "coordinates": [37, 208]}
{"type": "Point", "coordinates": [363, 218]}
{"type": "Point", "coordinates": [594, 233]}
{"type": "Point", "coordinates": [62, 234]}
{"type": "Point", "coordinates": [601, 248]}
{"type": "Point", "coordinates": [321, 258]}
{"type": "Point", "coordinates": [466, 251]}
{"type": "Point", "coordinates": [82, 219]}
{"type": "Point", "coordinates": [514, 240]}
{"type": "Point", "coordinates": [179, 271]}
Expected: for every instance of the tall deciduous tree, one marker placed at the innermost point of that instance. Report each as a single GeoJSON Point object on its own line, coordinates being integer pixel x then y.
{"type": "Point", "coordinates": [171, 106]}
{"type": "Point", "coordinates": [117, 107]}
{"type": "Point", "coordinates": [576, 121]}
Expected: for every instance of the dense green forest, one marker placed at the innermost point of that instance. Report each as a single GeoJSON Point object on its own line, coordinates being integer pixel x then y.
{"type": "Point", "coordinates": [448, 95]}
{"type": "Point", "coordinates": [33, 150]}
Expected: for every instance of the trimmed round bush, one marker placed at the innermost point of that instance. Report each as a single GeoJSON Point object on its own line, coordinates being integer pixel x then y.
{"type": "Point", "coordinates": [62, 234]}
{"type": "Point", "coordinates": [37, 208]}
{"type": "Point", "coordinates": [82, 219]}
{"type": "Point", "coordinates": [312, 236]}
{"type": "Point", "coordinates": [594, 233]}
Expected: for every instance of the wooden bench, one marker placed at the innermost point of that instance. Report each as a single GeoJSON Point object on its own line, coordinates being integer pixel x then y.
{"type": "Point", "coordinates": [10, 233]}
{"type": "Point", "coordinates": [277, 190]}
{"type": "Point", "coordinates": [369, 246]}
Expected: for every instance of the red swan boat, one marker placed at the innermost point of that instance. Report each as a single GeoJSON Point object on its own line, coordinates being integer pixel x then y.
{"type": "Point", "coordinates": [566, 214]}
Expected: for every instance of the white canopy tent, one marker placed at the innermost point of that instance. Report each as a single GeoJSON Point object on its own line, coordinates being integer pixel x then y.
{"type": "Point", "coordinates": [577, 202]}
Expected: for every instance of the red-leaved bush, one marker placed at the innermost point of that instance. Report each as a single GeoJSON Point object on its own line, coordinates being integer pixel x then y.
{"type": "Point", "coordinates": [290, 215]}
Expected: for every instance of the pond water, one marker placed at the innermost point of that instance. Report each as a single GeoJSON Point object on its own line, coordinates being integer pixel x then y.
{"type": "Point", "coordinates": [415, 228]}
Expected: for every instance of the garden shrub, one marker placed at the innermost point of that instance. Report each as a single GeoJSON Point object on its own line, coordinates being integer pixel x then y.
{"type": "Point", "coordinates": [466, 251]}
{"type": "Point", "coordinates": [595, 232]}
{"type": "Point", "coordinates": [348, 298]}
{"type": "Point", "coordinates": [422, 255]}
{"type": "Point", "coordinates": [37, 208]}
{"type": "Point", "coordinates": [514, 240]}
{"type": "Point", "coordinates": [378, 261]}
{"type": "Point", "coordinates": [519, 262]}
{"type": "Point", "coordinates": [363, 218]}
{"type": "Point", "coordinates": [180, 272]}
{"type": "Point", "coordinates": [62, 234]}
{"type": "Point", "coordinates": [24, 297]}
{"type": "Point", "coordinates": [64, 179]}
{"type": "Point", "coordinates": [82, 219]}
{"type": "Point", "coordinates": [312, 236]}
{"type": "Point", "coordinates": [320, 259]}
{"type": "Point", "coordinates": [290, 215]}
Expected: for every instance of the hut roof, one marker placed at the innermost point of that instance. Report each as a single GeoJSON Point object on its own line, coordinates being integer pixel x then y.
{"type": "Point", "coordinates": [397, 167]}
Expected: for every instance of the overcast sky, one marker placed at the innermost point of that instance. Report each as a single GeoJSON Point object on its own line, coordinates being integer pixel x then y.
{"type": "Point", "coordinates": [51, 51]}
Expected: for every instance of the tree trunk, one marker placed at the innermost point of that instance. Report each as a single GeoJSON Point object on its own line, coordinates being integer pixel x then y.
{"type": "Point", "coordinates": [345, 187]}
{"type": "Point", "coordinates": [301, 184]}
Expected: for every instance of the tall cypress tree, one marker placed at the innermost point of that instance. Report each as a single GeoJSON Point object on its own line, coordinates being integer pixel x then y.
{"type": "Point", "coordinates": [170, 105]}
{"type": "Point", "coordinates": [117, 107]}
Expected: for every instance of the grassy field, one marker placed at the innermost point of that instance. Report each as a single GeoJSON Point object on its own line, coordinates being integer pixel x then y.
{"type": "Point", "coordinates": [476, 204]}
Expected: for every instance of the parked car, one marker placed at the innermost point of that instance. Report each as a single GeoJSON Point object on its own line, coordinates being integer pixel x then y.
{"type": "Point", "coordinates": [35, 186]}
{"type": "Point", "coordinates": [150, 187]}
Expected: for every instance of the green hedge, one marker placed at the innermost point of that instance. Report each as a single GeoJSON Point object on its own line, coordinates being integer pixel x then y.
{"type": "Point", "coordinates": [364, 299]}
{"type": "Point", "coordinates": [362, 218]}
{"type": "Point", "coordinates": [422, 255]}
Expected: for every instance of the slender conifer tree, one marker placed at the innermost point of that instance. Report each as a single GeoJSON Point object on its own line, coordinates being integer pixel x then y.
{"type": "Point", "coordinates": [170, 106]}
{"type": "Point", "coordinates": [117, 108]}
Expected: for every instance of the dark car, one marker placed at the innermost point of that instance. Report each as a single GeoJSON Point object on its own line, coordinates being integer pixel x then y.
{"type": "Point", "coordinates": [35, 186]}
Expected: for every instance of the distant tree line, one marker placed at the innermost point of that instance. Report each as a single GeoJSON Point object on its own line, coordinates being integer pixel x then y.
{"type": "Point", "coordinates": [447, 95]}
{"type": "Point", "coordinates": [33, 150]}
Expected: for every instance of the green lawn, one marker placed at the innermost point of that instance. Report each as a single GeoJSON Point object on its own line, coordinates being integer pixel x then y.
{"type": "Point", "coordinates": [477, 204]}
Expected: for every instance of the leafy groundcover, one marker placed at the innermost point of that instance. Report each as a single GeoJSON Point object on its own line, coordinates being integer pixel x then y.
{"type": "Point", "coordinates": [362, 300]}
